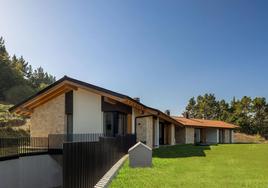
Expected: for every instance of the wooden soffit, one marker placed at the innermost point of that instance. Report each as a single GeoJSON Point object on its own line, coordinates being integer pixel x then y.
{"type": "Point", "coordinates": [27, 108]}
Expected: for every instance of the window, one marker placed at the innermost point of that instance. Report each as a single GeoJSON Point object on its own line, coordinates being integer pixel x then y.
{"type": "Point", "coordinates": [115, 123]}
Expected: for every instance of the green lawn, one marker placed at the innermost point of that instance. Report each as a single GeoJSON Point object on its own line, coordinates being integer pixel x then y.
{"type": "Point", "coordinates": [233, 165]}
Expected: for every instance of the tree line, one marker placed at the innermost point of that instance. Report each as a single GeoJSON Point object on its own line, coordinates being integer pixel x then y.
{"type": "Point", "coordinates": [251, 114]}
{"type": "Point", "coordinates": [18, 80]}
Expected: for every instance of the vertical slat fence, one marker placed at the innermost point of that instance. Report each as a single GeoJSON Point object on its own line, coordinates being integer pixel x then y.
{"type": "Point", "coordinates": [84, 163]}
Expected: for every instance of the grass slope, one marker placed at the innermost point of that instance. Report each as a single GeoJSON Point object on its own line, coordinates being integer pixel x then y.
{"type": "Point", "coordinates": [233, 165]}
{"type": "Point", "coordinates": [9, 119]}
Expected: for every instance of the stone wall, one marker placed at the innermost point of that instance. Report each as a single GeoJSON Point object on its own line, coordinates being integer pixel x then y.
{"type": "Point", "coordinates": [141, 130]}
{"type": "Point", "coordinates": [149, 131]}
{"type": "Point", "coordinates": [49, 118]}
{"type": "Point", "coordinates": [144, 130]}
{"type": "Point", "coordinates": [136, 113]}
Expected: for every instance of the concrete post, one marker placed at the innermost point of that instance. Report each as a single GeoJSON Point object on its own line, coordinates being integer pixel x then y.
{"type": "Point", "coordinates": [140, 155]}
{"type": "Point", "coordinates": [157, 132]}
{"type": "Point", "coordinates": [217, 138]}
{"type": "Point", "coordinates": [172, 135]}
{"type": "Point", "coordinates": [133, 121]}
{"type": "Point", "coordinates": [232, 136]}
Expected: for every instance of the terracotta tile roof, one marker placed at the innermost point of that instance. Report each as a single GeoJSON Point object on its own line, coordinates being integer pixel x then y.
{"type": "Point", "coordinates": [204, 123]}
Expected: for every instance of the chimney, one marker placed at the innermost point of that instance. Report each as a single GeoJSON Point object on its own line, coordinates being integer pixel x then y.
{"type": "Point", "coordinates": [137, 99]}
{"type": "Point", "coordinates": [167, 112]}
{"type": "Point", "coordinates": [186, 115]}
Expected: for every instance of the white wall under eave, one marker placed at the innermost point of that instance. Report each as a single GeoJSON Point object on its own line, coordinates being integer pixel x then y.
{"type": "Point", "coordinates": [212, 135]}
{"type": "Point", "coordinates": [87, 114]}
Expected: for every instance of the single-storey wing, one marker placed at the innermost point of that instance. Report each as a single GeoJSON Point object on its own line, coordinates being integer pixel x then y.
{"type": "Point", "coordinates": [203, 131]}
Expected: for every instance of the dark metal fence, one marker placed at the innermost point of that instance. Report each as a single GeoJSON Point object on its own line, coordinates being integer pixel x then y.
{"type": "Point", "coordinates": [84, 163]}
{"type": "Point", "coordinates": [21, 146]}
{"type": "Point", "coordinates": [15, 147]}
{"type": "Point", "coordinates": [86, 157]}
{"type": "Point", "coordinates": [55, 141]}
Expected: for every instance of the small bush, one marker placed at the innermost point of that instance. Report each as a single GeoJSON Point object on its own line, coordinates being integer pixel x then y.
{"type": "Point", "coordinates": [10, 132]}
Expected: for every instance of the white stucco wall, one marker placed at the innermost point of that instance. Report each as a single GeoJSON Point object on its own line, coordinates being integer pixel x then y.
{"type": "Point", "coordinates": [227, 136]}
{"type": "Point", "coordinates": [156, 130]}
{"type": "Point", "coordinates": [212, 135]}
{"type": "Point", "coordinates": [87, 114]}
{"type": "Point", "coordinates": [189, 135]}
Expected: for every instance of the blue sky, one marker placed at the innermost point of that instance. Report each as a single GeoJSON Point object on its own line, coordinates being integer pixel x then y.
{"type": "Point", "coordinates": [162, 51]}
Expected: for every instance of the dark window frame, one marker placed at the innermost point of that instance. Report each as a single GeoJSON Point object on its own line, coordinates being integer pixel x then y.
{"type": "Point", "coordinates": [115, 123]}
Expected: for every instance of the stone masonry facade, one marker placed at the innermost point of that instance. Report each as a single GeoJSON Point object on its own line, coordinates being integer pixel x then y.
{"type": "Point", "coordinates": [141, 129]}
{"type": "Point", "coordinates": [149, 131]}
{"type": "Point", "coordinates": [49, 118]}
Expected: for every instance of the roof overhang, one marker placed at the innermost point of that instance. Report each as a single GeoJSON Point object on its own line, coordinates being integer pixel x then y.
{"type": "Point", "coordinates": [201, 123]}
{"type": "Point", "coordinates": [67, 84]}
{"type": "Point", "coordinates": [26, 108]}
{"type": "Point", "coordinates": [213, 127]}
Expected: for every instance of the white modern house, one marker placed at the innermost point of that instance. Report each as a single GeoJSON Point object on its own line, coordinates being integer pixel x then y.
{"type": "Point", "coordinates": [70, 106]}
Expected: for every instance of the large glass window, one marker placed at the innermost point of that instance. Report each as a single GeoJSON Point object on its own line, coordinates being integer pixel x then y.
{"type": "Point", "coordinates": [115, 123]}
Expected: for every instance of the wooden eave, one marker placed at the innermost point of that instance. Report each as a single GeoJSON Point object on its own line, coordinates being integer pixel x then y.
{"type": "Point", "coordinates": [67, 84]}
{"type": "Point", "coordinates": [27, 108]}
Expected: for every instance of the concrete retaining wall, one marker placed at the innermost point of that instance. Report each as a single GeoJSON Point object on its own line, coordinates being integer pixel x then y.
{"type": "Point", "coordinates": [40, 171]}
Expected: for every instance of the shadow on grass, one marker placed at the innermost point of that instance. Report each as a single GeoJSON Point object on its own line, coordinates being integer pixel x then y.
{"type": "Point", "coordinates": [179, 151]}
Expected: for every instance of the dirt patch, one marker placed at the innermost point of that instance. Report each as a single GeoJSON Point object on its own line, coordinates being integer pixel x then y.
{"type": "Point", "coordinates": [244, 138]}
